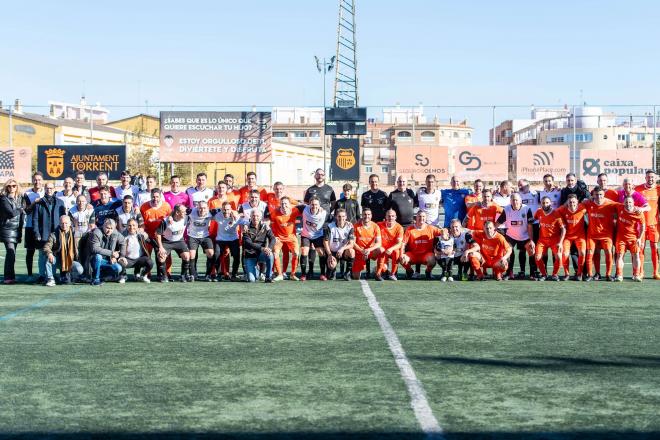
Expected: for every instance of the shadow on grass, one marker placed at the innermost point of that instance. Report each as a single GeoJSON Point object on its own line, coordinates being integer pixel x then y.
{"type": "Point", "coordinates": [550, 362]}
{"type": "Point", "coordinates": [590, 435]}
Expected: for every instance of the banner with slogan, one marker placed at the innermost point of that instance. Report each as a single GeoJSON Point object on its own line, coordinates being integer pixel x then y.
{"type": "Point", "coordinates": [59, 161]}
{"type": "Point", "coordinates": [215, 137]}
{"type": "Point", "coordinates": [489, 163]}
{"type": "Point", "coordinates": [535, 161]}
{"type": "Point", "coordinates": [345, 159]}
{"type": "Point", "coordinates": [416, 162]}
{"type": "Point", "coordinates": [16, 163]}
{"type": "Point", "coordinates": [630, 163]}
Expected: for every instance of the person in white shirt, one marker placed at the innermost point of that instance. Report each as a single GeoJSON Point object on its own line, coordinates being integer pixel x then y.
{"type": "Point", "coordinates": [199, 221]}
{"type": "Point", "coordinates": [145, 196]}
{"type": "Point", "coordinates": [128, 211]}
{"type": "Point", "coordinates": [313, 219]}
{"type": "Point", "coordinates": [200, 187]}
{"type": "Point", "coordinates": [502, 197]}
{"type": "Point", "coordinates": [67, 196]}
{"type": "Point", "coordinates": [445, 251]}
{"type": "Point", "coordinates": [227, 241]}
{"type": "Point", "coordinates": [134, 253]}
{"type": "Point", "coordinates": [255, 204]}
{"type": "Point", "coordinates": [338, 240]}
{"type": "Point", "coordinates": [517, 220]}
{"type": "Point", "coordinates": [126, 188]}
{"type": "Point", "coordinates": [429, 199]}
{"type": "Point", "coordinates": [169, 237]}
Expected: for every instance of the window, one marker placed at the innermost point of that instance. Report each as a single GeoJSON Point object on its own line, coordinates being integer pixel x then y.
{"type": "Point", "coordinates": [299, 134]}
{"type": "Point", "coordinates": [442, 133]}
{"type": "Point", "coordinates": [280, 134]}
{"type": "Point", "coordinates": [605, 137]}
{"type": "Point", "coordinates": [583, 137]}
{"type": "Point", "coordinates": [368, 155]}
{"type": "Point", "coordinates": [384, 153]}
{"type": "Point", "coordinates": [641, 137]}
{"type": "Point", "coordinates": [315, 134]}
{"type": "Point", "coordinates": [507, 133]}
{"type": "Point", "coordinates": [385, 169]}
{"type": "Point", "coordinates": [404, 135]}
{"type": "Point", "coordinates": [622, 137]}
{"type": "Point", "coordinates": [468, 135]}
{"type": "Point", "coordinates": [455, 134]}
{"type": "Point", "coordinates": [555, 139]}
{"type": "Point", "coordinates": [368, 169]}
{"type": "Point", "coordinates": [428, 136]}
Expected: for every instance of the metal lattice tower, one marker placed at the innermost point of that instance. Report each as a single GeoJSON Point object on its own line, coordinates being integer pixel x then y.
{"type": "Point", "coordinates": [346, 85]}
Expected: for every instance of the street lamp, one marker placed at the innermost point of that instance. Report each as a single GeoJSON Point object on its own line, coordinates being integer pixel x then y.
{"type": "Point", "coordinates": [324, 67]}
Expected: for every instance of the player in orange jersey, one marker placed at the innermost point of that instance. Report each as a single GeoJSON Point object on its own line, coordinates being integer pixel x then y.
{"type": "Point", "coordinates": [603, 182]}
{"type": "Point", "coordinates": [551, 237]}
{"type": "Point", "coordinates": [651, 192]}
{"type": "Point", "coordinates": [573, 215]}
{"type": "Point", "coordinates": [488, 250]}
{"type": "Point", "coordinates": [485, 211]}
{"type": "Point", "coordinates": [273, 198]}
{"type": "Point", "coordinates": [474, 198]}
{"type": "Point", "coordinates": [629, 236]}
{"type": "Point", "coordinates": [367, 242]}
{"type": "Point", "coordinates": [391, 234]}
{"type": "Point", "coordinates": [418, 246]}
{"type": "Point", "coordinates": [283, 224]}
{"type": "Point", "coordinates": [223, 195]}
{"type": "Point", "coordinates": [601, 213]}
{"type": "Point", "coordinates": [251, 185]}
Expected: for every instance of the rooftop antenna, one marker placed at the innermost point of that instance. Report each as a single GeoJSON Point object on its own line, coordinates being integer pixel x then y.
{"type": "Point", "coordinates": [346, 84]}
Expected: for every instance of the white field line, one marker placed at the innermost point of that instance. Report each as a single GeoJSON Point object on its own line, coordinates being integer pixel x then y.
{"type": "Point", "coordinates": [418, 401]}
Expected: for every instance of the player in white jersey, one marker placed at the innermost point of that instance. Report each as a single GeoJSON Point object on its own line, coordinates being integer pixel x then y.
{"type": "Point", "coordinates": [517, 220]}
{"type": "Point", "coordinates": [338, 239]}
{"type": "Point", "coordinates": [254, 203]}
{"type": "Point", "coordinates": [199, 191]}
{"type": "Point", "coordinates": [502, 197]}
{"type": "Point", "coordinates": [199, 220]}
{"type": "Point", "coordinates": [128, 211]}
{"type": "Point", "coordinates": [529, 196]}
{"type": "Point", "coordinates": [67, 196]}
{"type": "Point", "coordinates": [428, 200]}
{"type": "Point", "coordinates": [126, 189]}
{"type": "Point", "coordinates": [313, 219]}
{"type": "Point", "coordinates": [461, 239]}
{"type": "Point", "coordinates": [551, 191]}
{"type": "Point", "coordinates": [82, 218]}
{"type": "Point", "coordinates": [227, 242]}
{"type": "Point", "coordinates": [169, 237]}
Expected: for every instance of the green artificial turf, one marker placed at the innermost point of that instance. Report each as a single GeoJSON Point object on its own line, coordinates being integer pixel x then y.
{"type": "Point", "coordinates": [502, 360]}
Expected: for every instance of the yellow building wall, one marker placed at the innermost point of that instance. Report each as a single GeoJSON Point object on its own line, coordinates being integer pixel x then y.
{"type": "Point", "coordinates": [44, 134]}
{"type": "Point", "coordinates": [139, 124]}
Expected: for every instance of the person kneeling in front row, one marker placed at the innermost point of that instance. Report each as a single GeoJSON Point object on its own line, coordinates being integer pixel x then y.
{"type": "Point", "coordinates": [62, 253]}
{"type": "Point", "coordinates": [134, 252]}
{"type": "Point", "coordinates": [105, 244]}
{"type": "Point", "coordinates": [258, 243]}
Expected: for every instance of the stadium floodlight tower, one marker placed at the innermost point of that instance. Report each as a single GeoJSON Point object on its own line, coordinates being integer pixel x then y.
{"type": "Point", "coordinates": [346, 84]}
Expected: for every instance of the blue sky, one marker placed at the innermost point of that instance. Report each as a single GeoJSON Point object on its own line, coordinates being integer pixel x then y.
{"type": "Point", "coordinates": [261, 53]}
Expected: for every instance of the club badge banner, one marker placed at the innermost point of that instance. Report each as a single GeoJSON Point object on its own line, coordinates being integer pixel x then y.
{"type": "Point", "coordinates": [345, 162]}
{"type": "Point", "coordinates": [59, 161]}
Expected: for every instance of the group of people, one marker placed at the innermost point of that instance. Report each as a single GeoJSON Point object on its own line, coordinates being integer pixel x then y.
{"type": "Point", "coordinates": [96, 234]}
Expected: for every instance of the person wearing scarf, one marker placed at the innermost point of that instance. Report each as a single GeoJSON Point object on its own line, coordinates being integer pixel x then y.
{"type": "Point", "coordinates": [61, 252]}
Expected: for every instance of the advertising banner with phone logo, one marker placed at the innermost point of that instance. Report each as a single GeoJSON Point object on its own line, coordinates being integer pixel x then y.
{"type": "Point", "coordinates": [415, 163]}
{"type": "Point", "coordinates": [535, 161]}
{"type": "Point", "coordinates": [489, 163]}
{"type": "Point", "coordinates": [630, 163]}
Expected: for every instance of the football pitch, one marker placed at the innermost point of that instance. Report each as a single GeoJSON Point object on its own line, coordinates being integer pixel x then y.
{"type": "Point", "coordinates": [418, 359]}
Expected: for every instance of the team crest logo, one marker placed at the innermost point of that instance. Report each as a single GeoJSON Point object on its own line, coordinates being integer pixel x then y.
{"type": "Point", "coordinates": [345, 158]}
{"type": "Point", "coordinates": [55, 162]}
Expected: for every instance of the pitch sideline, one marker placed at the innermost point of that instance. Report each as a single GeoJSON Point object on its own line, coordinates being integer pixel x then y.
{"type": "Point", "coordinates": [418, 401]}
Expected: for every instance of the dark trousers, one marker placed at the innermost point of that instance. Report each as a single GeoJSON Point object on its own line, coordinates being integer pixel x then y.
{"type": "Point", "coordinates": [138, 264]}
{"type": "Point", "coordinates": [235, 252]}
{"type": "Point", "coordinates": [10, 260]}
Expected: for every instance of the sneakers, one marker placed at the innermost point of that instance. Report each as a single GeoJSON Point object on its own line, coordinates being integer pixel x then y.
{"type": "Point", "coordinates": [303, 277]}
{"type": "Point", "coordinates": [443, 279]}
{"type": "Point", "coordinates": [540, 278]}
{"type": "Point", "coordinates": [378, 277]}
{"type": "Point", "coordinates": [279, 277]}
{"type": "Point", "coordinates": [268, 280]}
{"type": "Point", "coordinates": [262, 277]}
{"type": "Point", "coordinates": [416, 275]}
{"type": "Point", "coordinates": [637, 279]}
{"type": "Point", "coordinates": [97, 283]}
{"type": "Point", "coordinates": [450, 279]}
{"type": "Point", "coordinates": [145, 279]}
{"type": "Point", "coordinates": [566, 277]}
{"type": "Point", "coordinates": [596, 277]}
{"type": "Point", "coordinates": [588, 279]}
{"type": "Point", "coordinates": [293, 277]}
{"type": "Point", "coordinates": [553, 278]}
{"type": "Point", "coordinates": [323, 278]}
{"type": "Point", "coordinates": [656, 276]}
{"type": "Point", "coordinates": [164, 279]}
{"type": "Point", "coordinates": [347, 276]}
{"type": "Point", "coordinates": [392, 278]}
{"type": "Point", "coordinates": [122, 280]}
{"type": "Point", "coordinates": [610, 278]}
{"type": "Point", "coordinates": [9, 282]}
{"type": "Point", "coordinates": [618, 279]}
{"type": "Point", "coordinates": [50, 283]}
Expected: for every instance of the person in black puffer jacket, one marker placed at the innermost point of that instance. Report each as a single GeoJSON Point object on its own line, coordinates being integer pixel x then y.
{"type": "Point", "coordinates": [11, 226]}
{"type": "Point", "coordinates": [258, 243]}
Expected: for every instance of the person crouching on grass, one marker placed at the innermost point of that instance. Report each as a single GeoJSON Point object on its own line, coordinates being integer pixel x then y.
{"type": "Point", "coordinates": [169, 237]}
{"type": "Point", "coordinates": [62, 253]}
{"type": "Point", "coordinates": [258, 243]}
{"type": "Point", "coordinates": [135, 252]}
{"type": "Point", "coordinates": [338, 244]}
{"type": "Point", "coordinates": [105, 244]}
{"type": "Point", "coordinates": [488, 249]}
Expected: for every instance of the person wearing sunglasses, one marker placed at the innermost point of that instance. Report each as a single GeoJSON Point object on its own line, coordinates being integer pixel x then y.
{"type": "Point", "coordinates": [11, 224]}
